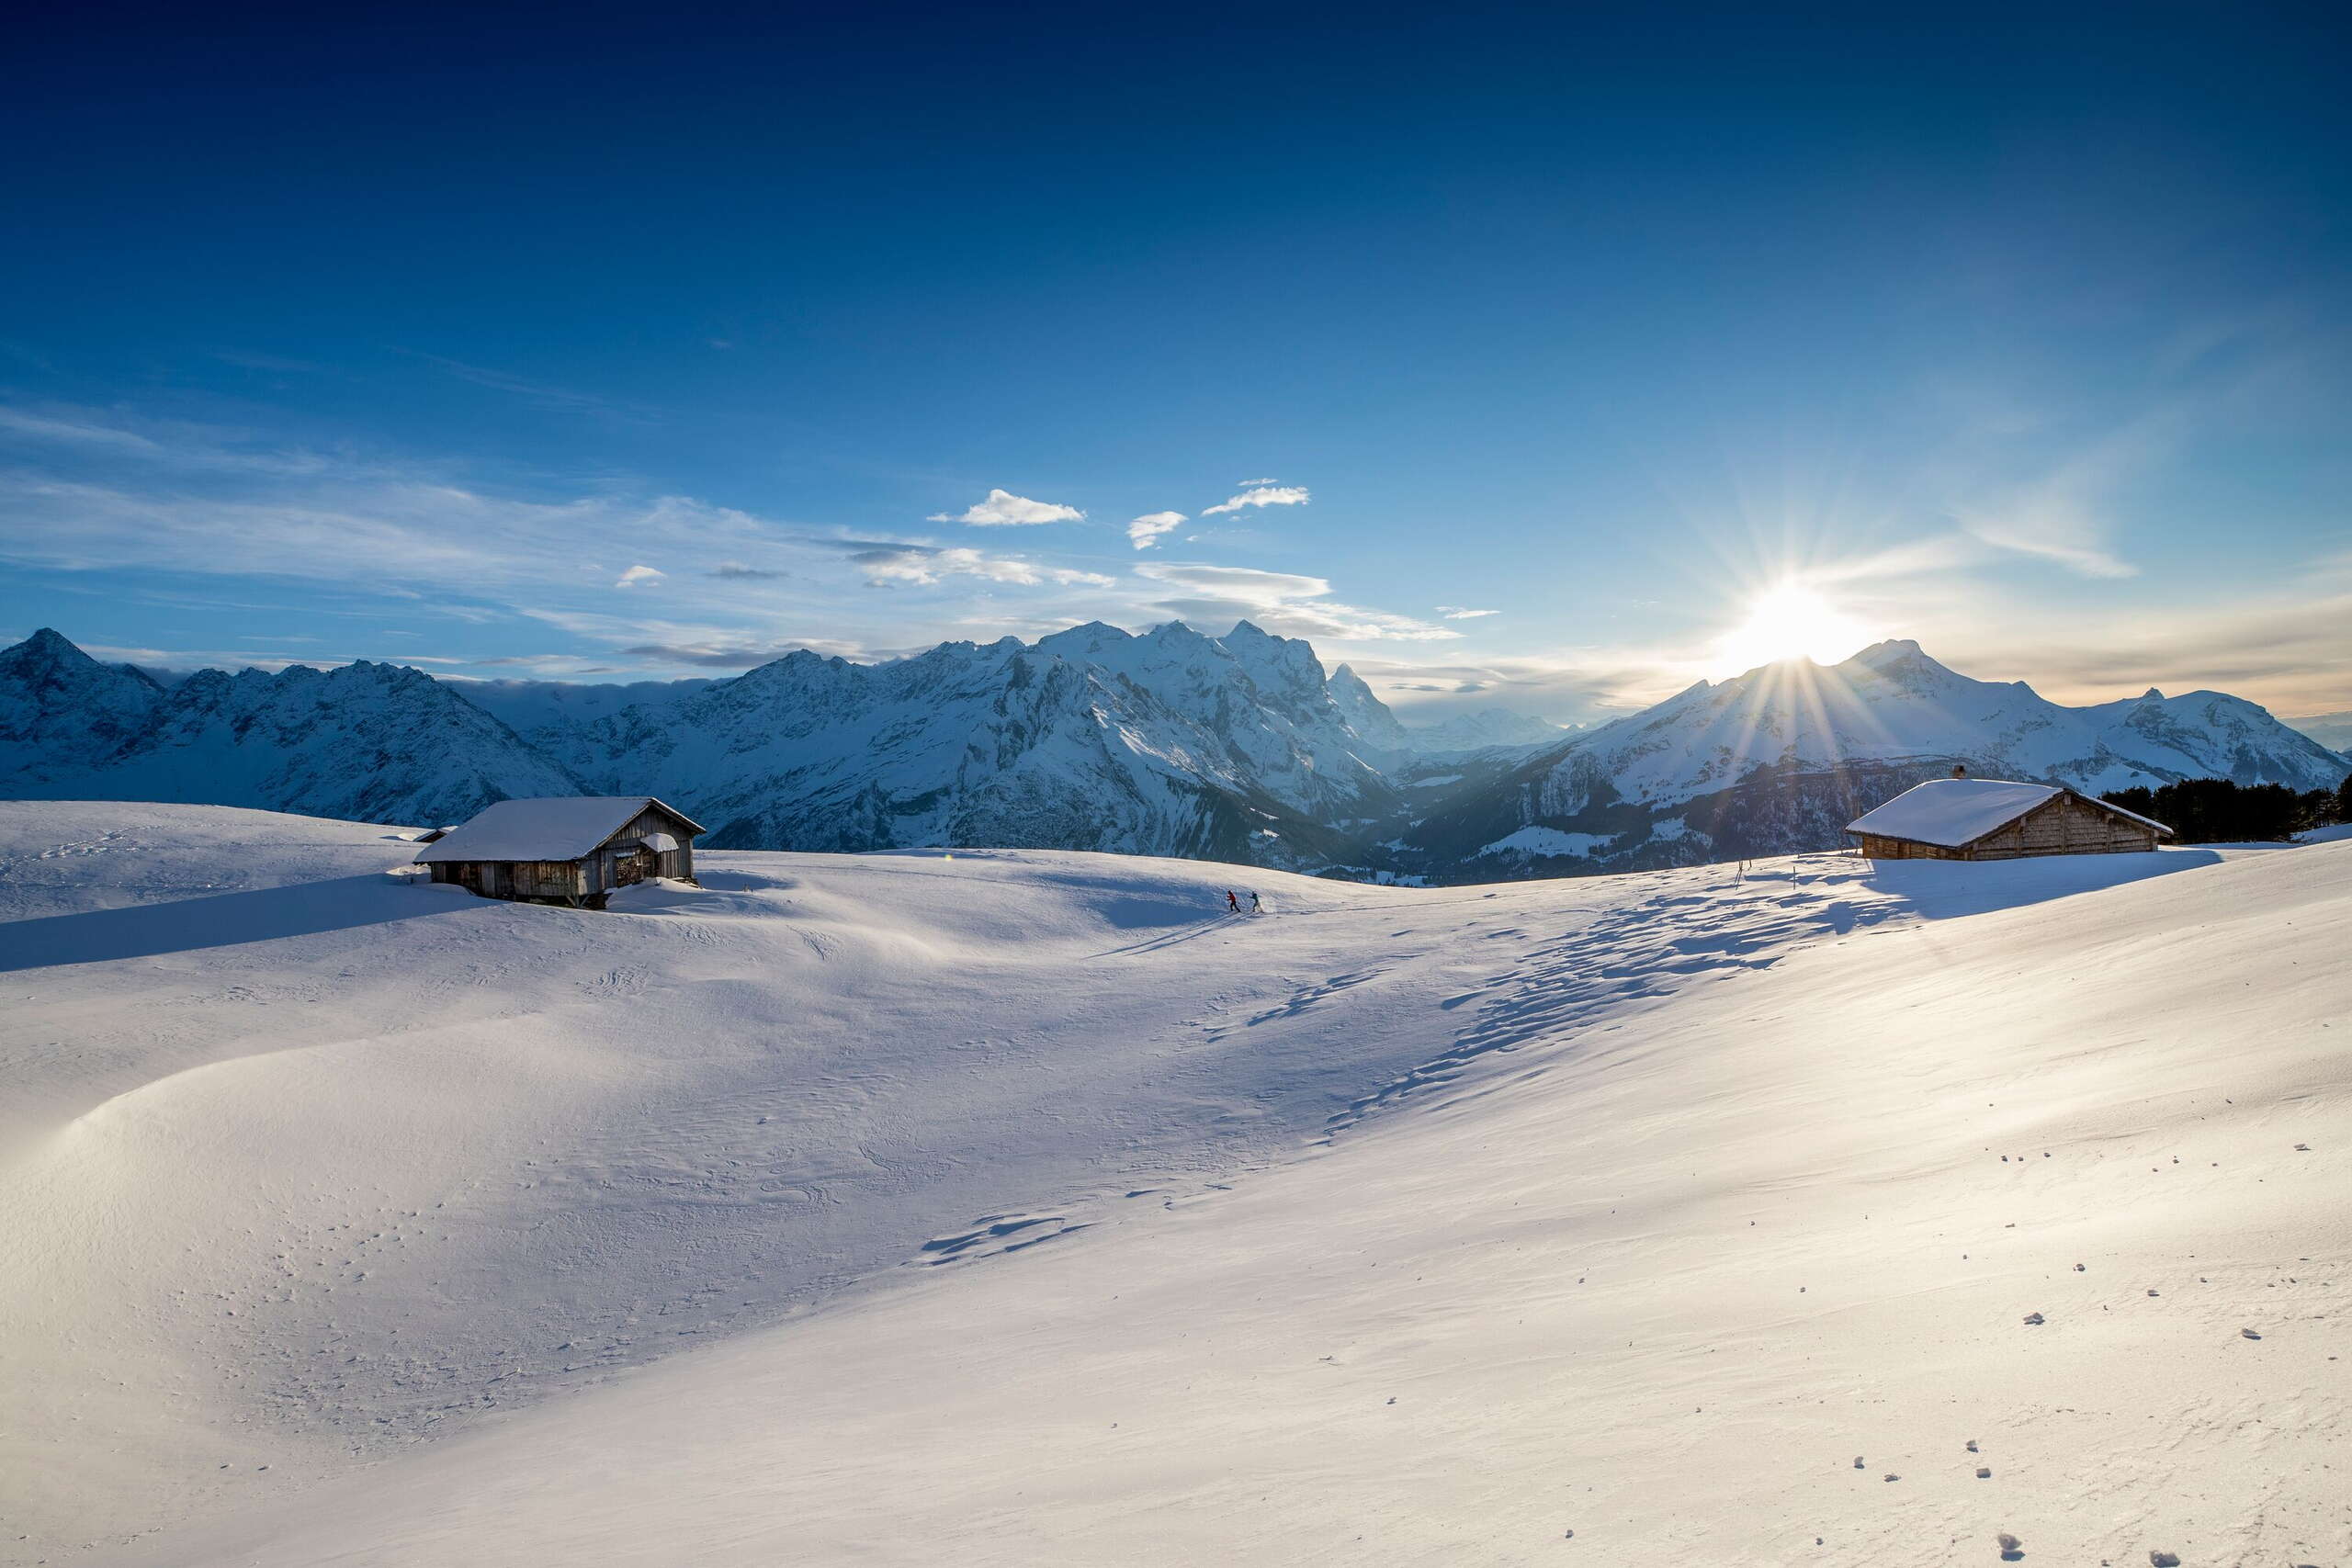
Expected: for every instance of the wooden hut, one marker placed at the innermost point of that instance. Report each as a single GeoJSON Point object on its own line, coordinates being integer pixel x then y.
{"type": "Point", "coordinates": [566, 849]}
{"type": "Point", "coordinates": [1966, 819]}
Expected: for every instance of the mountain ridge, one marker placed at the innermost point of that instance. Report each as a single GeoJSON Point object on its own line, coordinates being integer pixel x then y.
{"type": "Point", "coordinates": [1170, 742]}
{"type": "Point", "coordinates": [1780, 758]}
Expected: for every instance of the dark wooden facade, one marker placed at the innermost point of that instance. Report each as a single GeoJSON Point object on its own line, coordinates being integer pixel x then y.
{"type": "Point", "coordinates": [2065, 824]}
{"type": "Point", "coordinates": [629, 855]}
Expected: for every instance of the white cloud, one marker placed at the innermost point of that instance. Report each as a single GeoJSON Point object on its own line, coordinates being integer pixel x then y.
{"type": "Point", "coordinates": [1456, 613]}
{"type": "Point", "coordinates": [1287, 603]}
{"type": "Point", "coordinates": [638, 575]}
{"type": "Point", "coordinates": [924, 565]}
{"type": "Point", "coordinates": [2054, 524]}
{"type": "Point", "coordinates": [1144, 531]}
{"type": "Point", "coordinates": [1002, 509]}
{"type": "Point", "coordinates": [1264, 495]}
{"type": "Point", "coordinates": [1252, 484]}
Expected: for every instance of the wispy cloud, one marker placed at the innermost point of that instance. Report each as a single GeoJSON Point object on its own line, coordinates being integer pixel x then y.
{"type": "Point", "coordinates": [1288, 603]}
{"type": "Point", "coordinates": [638, 575]}
{"type": "Point", "coordinates": [1144, 531]}
{"type": "Point", "coordinates": [99, 494]}
{"type": "Point", "coordinates": [1002, 509]}
{"type": "Point", "coordinates": [924, 565]}
{"type": "Point", "coordinates": [1264, 495]}
{"type": "Point", "coordinates": [562, 400]}
{"type": "Point", "coordinates": [1253, 484]}
{"type": "Point", "coordinates": [1456, 613]}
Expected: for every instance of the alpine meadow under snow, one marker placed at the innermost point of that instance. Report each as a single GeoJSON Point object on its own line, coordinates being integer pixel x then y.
{"type": "Point", "coordinates": [1021, 1207]}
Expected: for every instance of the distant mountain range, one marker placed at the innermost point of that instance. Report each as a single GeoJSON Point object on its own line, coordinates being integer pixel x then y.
{"type": "Point", "coordinates": [2330, 729]}
{"type": "Point", "coordinates": [1781, 758]}
{"type": "Point", "coordinates": [1236, 748]}
{"type": "Point", "coordinates": [1484, 728]}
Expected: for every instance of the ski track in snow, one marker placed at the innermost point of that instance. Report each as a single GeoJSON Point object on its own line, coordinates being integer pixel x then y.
{"type": "Point", "coordinates": [321, 1171]}
{"type": "Point", "coordinates": [1639, 953]}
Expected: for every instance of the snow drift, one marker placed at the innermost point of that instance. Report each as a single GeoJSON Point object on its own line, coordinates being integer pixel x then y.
{"type": "Point", "coordinates": [1022, 1208]}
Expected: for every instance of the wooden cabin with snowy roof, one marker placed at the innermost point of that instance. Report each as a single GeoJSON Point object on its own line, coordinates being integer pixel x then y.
{"type": "Point", "coordinates": [1966, 819]}
{"type": "Point", "coordinates": [565, 850]}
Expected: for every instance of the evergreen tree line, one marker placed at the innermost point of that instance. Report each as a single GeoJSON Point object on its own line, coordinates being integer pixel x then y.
{"type": "Point", "coordinates": [2216, 811]}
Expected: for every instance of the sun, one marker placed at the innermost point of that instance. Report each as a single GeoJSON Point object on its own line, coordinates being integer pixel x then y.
{"type": "Point", "coordinates": [1791, 620]}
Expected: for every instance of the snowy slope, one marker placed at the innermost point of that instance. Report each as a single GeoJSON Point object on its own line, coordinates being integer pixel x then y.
{"type": "Point", "coordinates": [1781, 758]}
{"type": "Point", "coordinates": [1414, 1227]}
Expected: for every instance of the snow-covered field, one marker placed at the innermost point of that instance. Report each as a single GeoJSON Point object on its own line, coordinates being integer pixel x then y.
{"type": "Point", "coordinates": [1023, 1208]}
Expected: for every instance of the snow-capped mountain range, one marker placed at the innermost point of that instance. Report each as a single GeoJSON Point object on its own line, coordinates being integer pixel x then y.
{"type": "Point", "coordinates": [1236, 748]}
{"type": "Point", "coordinates": [1780, 758]}
{"type": "Point", "coordinates": [373, 742]}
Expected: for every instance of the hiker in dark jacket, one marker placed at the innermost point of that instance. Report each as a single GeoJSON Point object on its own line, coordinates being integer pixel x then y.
{"type": "Point", "coordinates": [1255, 907]}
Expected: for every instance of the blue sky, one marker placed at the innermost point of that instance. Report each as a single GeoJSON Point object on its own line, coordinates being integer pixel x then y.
{"type": "Point", "coordinates": [622, 344]}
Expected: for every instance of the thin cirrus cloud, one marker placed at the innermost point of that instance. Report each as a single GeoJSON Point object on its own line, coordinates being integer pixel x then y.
{"type": "Point", "coordinates": [1002, 509]}
{"type": "Point", "coordinates": [640, 574]}
{"type": "Point", "coordinates": [1289, 602]}
{"type": "Point", "coordinates": [887, 566]}
{"type": "Point", "coordinates": [738, 570]}
{"type": "Point", "coordinates": [1456, 613]}
{"type": "Point", "coordinates": [1144, 531]}
{"type": "Point", "coordinates": [1264, 495]}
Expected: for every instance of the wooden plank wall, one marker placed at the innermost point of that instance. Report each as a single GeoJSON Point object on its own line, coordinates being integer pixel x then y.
{"type": "Point", "coordinates": [2066, 824]}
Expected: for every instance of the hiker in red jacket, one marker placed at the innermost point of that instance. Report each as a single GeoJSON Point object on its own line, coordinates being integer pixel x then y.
{"type": "Point", "coordinates": [1231, 902]}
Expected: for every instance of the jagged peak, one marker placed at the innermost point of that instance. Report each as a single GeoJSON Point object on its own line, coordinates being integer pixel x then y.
{"type": "Point", "coordinates": [49, 646]}
{"type": "Point", "coordinates": [1088, 637]}
{"type": "Point", "coordinates": [1250, 631]}
{"type": "Point", "coordinates": [1894, 650]}
{"type": "Point", "coordinates": [1175, 631]}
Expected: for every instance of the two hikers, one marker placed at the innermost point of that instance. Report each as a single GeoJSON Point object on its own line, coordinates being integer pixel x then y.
{"type": "Point", "coordinates": [1234, 904]}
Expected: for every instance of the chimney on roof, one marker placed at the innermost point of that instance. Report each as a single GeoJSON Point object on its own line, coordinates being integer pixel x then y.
{"type": "Point", "coordinates": [1960, 769]}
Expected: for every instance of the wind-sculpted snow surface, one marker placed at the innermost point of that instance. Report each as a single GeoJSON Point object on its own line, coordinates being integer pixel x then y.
{"type": "Point", "coordinates": [1025, 1207]}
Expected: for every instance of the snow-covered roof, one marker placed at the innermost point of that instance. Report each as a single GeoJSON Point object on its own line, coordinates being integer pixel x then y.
{"type": "Point", "coordinates": [554, 827]}
{"type": "Point", "coordinates": [1952, 812]}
